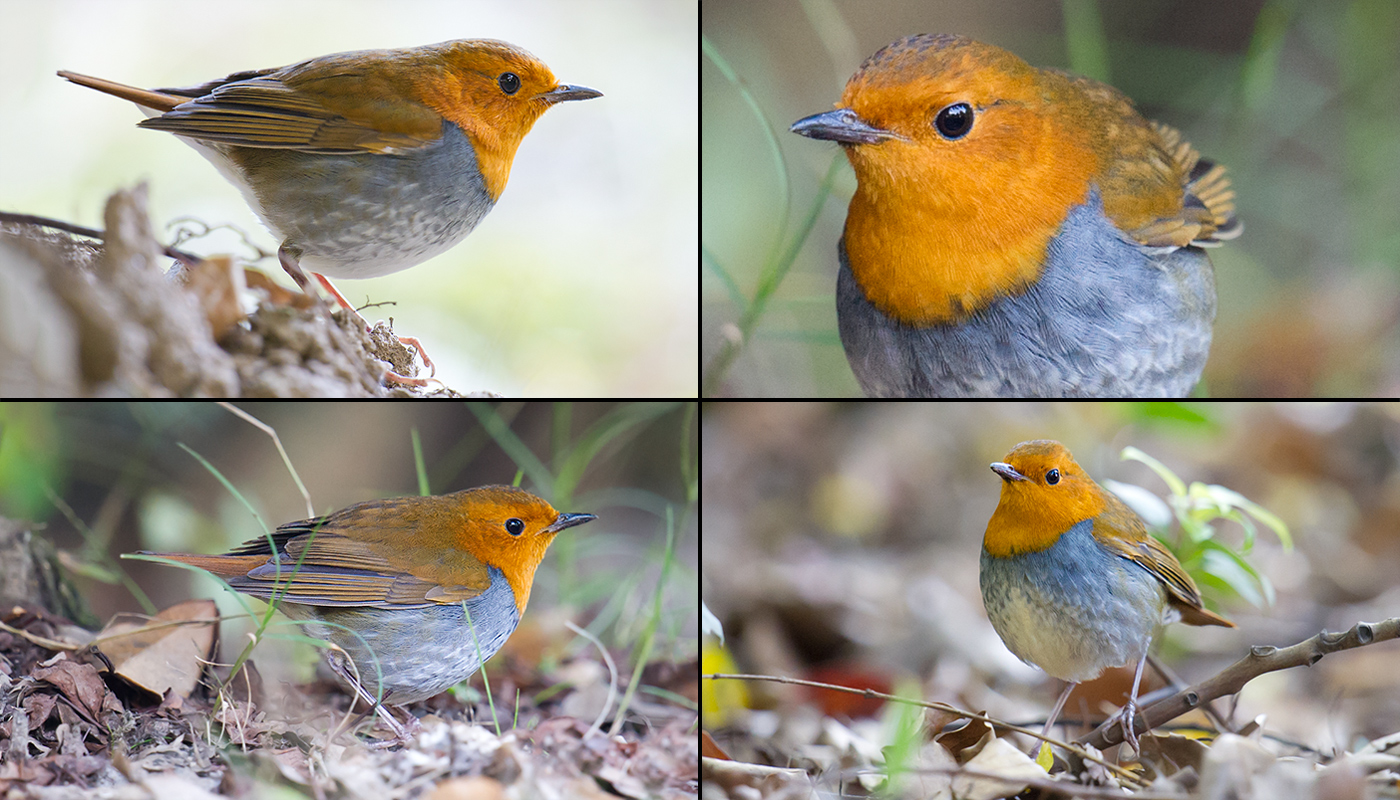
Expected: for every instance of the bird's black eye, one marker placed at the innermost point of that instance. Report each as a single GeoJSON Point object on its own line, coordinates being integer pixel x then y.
{"type": "Point", "coordinates": [510, 82]}
{"type": "Point", "coordinates": [515, 526]}
{"type": "Point", "coordinates": [1052, 477]}
{"type": "Point", "coordinates": [954, 121]}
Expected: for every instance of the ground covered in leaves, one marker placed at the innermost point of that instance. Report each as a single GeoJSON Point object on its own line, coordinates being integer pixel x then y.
{"type": "Point", "coordinates": [842, 548]}
{"type": "Point", "coordinates": [79, 722]}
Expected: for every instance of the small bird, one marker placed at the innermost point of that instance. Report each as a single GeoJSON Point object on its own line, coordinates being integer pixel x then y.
{"type": "Point", "coordinates": [368, 162]}
{"type": "Point", "coordinates": [1018, 232]}
{"type": "Point", "coordinates": [391, 578]}
{"type": "Point", "coordinates": [1071, 579]}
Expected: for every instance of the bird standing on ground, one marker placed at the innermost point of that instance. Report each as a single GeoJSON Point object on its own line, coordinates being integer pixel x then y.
{"type": "Point", "coordinates": [393, 577]}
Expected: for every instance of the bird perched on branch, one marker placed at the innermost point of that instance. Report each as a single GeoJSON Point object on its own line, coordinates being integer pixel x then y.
{"type": "Point", "coordinates": [1072, 581]}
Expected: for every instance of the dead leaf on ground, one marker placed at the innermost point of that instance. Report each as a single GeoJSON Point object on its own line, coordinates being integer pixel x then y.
{"type": "Point", "coordinates": [79, 684]}
{"type": "Point", "coordinates": [167, 652]}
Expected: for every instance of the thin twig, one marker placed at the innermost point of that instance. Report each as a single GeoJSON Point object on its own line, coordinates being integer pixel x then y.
{"type": "Point", "coordinates": [1176, 683]}
{"type": "Point", "coordinates": [937, 706]}
{"type": "Point", "coordinates": [612, 678]}
{"type": "Point", "coordinates": [91, 233]}
{"type": "Point", "coordinates": [1049, 785]}
{"type": "Point", "coordinates": [1262, 659]}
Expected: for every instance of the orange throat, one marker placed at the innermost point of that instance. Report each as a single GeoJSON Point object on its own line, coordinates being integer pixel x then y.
{"type": "Point", "coordinates": [926, 263]}
{"type": "Point", "coordinates": [933, 241]}
{"type": "Point", "coordinates": [1024, 523]}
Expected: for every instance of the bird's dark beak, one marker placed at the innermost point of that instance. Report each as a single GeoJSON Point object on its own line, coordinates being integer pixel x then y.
{"type": "Point", "coordinates": [568, 521]}
{"type": "Point", "coordinates": [564, 92]}
{"type": "Point", "coordinates": [842, 125]}
{"type": "Point", "coordinates": [1007, 472]}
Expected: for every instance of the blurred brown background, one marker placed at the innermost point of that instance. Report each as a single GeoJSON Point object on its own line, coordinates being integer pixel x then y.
{"type": "Point", "coordinates": [843, 539]}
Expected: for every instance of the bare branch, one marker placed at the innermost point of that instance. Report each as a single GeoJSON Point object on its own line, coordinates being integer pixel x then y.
{"type": "Point", "coordinates": [1261, 659]}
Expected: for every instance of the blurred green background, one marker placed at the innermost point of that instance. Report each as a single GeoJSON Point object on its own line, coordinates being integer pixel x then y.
{"type": "Point", "coordinates": [580, 282]}
{"type": "Point", "coordinates": [1300, 101]}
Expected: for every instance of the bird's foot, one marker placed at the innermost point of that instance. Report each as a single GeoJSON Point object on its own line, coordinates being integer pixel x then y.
{"type": "Point", "coordinates": [390, 377]}
{"type": "Point", "coordinates": [1127, 717]}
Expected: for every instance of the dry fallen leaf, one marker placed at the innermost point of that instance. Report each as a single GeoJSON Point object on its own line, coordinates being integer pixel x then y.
{"type": "Point", "coordinates": [165, 653]}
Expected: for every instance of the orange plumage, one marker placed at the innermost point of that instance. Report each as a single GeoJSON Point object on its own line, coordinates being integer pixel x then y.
{"type": "Point", "coordinates": [971, 165]}
{"type": "Point", "coordinates": [1034, 513]}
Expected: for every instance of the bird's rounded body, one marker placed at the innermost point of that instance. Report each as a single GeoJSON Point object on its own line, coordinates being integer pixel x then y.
{"type": "Point", "coordinates": [1018, 232]}
{"type": "Point", "coordinates": [1073, 609]}
{"type": "Point", "coordinates": [387, 581]}
{"type": "Point", "coordinates": [1072, 581]}
{"type": "Point", "coordinates": [362, 215]}
{"type": "Point", "coordinates": [414, 654]}
{"type": "Point", "coordinates": [1107, 318]}
{"type": "Point", "coordinates": [365, 162]}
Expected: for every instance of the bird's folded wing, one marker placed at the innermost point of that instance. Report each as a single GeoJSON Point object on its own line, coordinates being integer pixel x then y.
{"type": "Point", "coordinates": [335, 570]}
{"type": "Point", "coordinates": [1141, 548]}
{"type": "Point", "coordinates": [331, 107]}
{"type": "Point", "coordinates": [1207, 212]}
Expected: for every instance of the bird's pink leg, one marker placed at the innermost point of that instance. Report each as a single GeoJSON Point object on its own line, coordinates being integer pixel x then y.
{"type": "Point", "coordinates": [1059, 706]}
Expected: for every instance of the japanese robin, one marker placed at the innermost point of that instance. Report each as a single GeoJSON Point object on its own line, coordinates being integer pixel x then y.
{"type": "Point", "coordinates": [368, 162]}
{"type": "Point", "coordinates": [1072, 581]}
{"type": "Point", "coordinates": [1018, 232]}
{"type": "Point", "coordinates": [396, 579]}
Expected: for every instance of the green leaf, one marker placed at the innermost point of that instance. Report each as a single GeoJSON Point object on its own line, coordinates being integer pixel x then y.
{"type": "Point", "coordinates": [1198, 508]}
{"type": "Point", "coordinates": [1177, 486]}
{"type": "Point", "coordinates": [90, 569]}
{"type": "Point", "coordinates": [1223, 568]}
{"type": "Point", "coordinates": [1274, 523]}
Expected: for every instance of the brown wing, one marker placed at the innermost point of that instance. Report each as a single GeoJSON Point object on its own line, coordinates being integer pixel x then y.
{"type": "Point", "coordinates": [1207, 215]}
{"type": "Point", "coordinates": [386, 565]}
{"type": "Point", "coordinates": [1136, 545]}
{"type": "Point", "coordinates": [344, 103]}
{"type": "Point", "coordinates": [1155, 186]}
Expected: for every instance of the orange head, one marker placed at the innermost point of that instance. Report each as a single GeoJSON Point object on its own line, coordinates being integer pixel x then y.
{"type": "Point", "coordinates": [499, 526]}
{"type": "Point", "coordinates": [494, 91]}
{"type": "Point", "coordinates": [1044, 493]}
{"type": "Point", "coordinates": [369, 101]}
{"type": "Point", "coordinates": [968, 159]}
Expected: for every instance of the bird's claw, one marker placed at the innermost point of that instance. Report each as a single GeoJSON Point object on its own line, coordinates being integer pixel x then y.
{"type": "Point", "coordinates": [1128, 716]}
